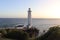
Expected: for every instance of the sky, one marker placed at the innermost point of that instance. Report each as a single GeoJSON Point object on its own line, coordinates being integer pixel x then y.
{"type": "Point", "coordinates": [40, 8]}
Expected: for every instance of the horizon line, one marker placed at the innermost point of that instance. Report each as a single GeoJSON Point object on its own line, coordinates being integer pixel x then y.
{"type": "Point", "coordinates": [45, 18]}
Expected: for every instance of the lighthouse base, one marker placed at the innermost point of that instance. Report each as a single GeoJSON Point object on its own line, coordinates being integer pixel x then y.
{"type": "Point", "coordinates": [28, 26]}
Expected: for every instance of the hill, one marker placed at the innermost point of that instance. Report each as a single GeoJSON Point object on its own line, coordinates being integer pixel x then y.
{"type": "Point", "coordinates": [52, 34]}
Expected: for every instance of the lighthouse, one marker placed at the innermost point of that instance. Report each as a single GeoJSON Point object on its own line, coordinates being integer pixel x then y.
{"type": "Point", "coordinates": [29, 18]}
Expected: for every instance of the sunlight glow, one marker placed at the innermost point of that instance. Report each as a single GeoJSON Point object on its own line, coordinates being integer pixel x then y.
{"type": "Point", "coordinates": [50, 9]}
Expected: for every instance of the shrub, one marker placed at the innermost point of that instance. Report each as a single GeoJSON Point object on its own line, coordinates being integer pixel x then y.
{"type": "Point", "coordinates": [52, 34]}
{"type": "Point", "coordinates": [32, 32]}
{"type": "Point", "coordinates": [19, 35]}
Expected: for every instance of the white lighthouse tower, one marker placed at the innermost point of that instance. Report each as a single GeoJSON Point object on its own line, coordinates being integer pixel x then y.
{"type": "Point", "coordinates": [29, 18]}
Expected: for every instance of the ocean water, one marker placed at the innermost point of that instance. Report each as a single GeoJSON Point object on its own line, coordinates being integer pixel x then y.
{"type": "Point", "coordinates": [41, 24]}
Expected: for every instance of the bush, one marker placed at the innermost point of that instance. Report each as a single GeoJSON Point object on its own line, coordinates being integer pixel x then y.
{"type": "Point", "coordinates": [32, 32]}
{"type": "Point", "coordinates": [52, 34]}
{"type": "Point", "coordinates": [19, 35]}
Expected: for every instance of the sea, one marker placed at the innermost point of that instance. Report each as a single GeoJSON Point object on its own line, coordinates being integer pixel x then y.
{"type": "Point", "coordinates": [39, 23]}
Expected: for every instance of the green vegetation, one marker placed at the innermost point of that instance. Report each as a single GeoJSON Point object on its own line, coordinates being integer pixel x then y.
{"type": "Point", "coordinates": [18, 34]}
{"type": "Point", "coordinates": [33, 32]}
{"type": "Point", "coordinates": [30, 34]}
{"type": "Point", "coordinates": [52, 34]}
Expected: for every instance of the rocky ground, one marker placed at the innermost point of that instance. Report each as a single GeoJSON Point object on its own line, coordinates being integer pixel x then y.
{"type": "Point", "coordinates": [5, 39]}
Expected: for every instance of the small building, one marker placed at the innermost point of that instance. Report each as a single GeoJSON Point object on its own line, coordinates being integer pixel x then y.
{"type": "Point", "coordinates": [19, 26]}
